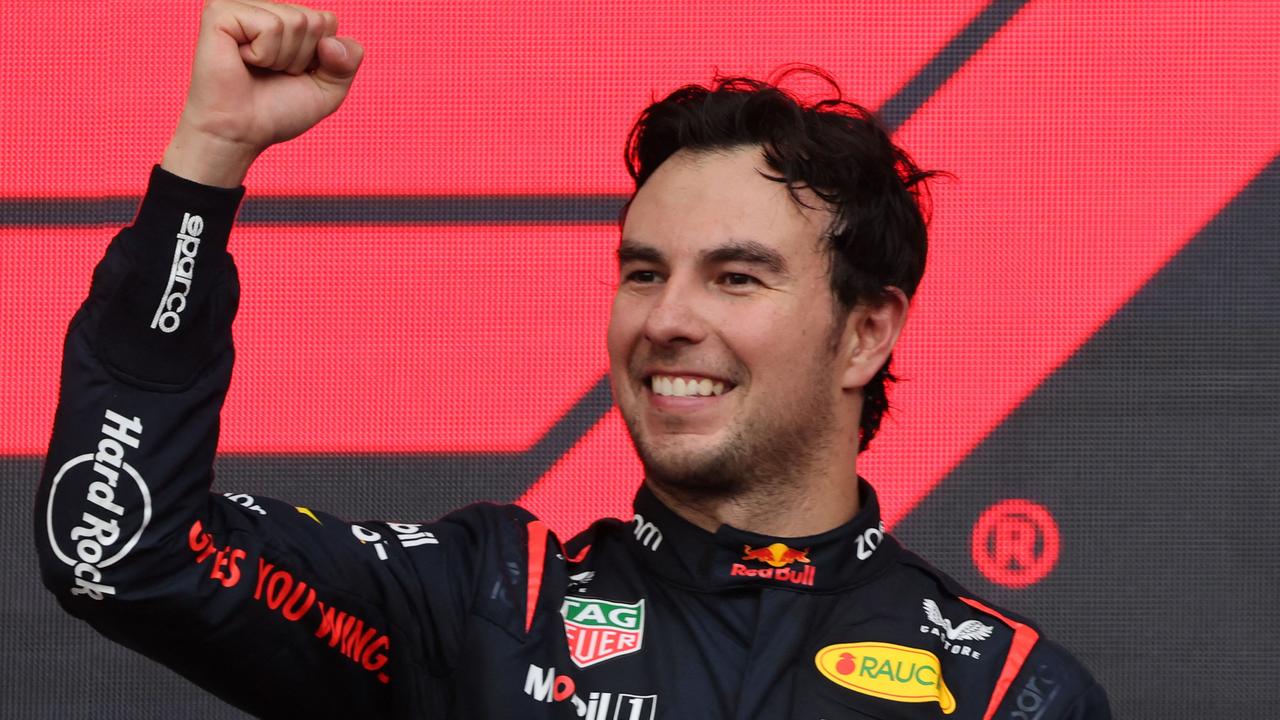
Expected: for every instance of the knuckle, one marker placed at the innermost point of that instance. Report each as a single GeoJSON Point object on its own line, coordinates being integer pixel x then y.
{"type": "Point", "coordinates": [213, 9]}
{"type": "Point", "coordinates": [314, 24]}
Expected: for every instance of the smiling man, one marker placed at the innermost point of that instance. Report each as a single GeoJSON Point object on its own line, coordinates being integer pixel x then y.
{"type": "Point", "coordinates": [739, 374]}
{"type": "Point", "coordinates": [766, 263]}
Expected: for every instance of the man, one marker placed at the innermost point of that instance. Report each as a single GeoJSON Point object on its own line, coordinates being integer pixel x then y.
{"type": "Point", "coordinates": [766, 262]}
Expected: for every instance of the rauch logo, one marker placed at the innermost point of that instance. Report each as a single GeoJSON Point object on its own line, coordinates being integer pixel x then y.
{"type": "Point", "coordinates": [883, 670]}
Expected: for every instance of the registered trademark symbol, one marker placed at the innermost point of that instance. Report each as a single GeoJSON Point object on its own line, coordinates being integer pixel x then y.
{"type": "Point", "coordinates": [1015, 543]}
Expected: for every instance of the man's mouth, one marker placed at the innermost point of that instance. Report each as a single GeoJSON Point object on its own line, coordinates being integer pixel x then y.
{"type": "Point", "coordinates": [686, 386]}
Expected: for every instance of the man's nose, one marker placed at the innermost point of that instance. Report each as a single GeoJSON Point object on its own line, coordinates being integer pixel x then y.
{"type": "Point", "coordinates": [675, 318]}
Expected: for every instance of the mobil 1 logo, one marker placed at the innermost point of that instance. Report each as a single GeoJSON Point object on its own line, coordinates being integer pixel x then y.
{"type": "Point", "coordinates": [98, 507]}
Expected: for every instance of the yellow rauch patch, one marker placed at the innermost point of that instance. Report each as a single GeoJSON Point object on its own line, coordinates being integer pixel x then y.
{"type": "Point", "coordinates": [892, 672]}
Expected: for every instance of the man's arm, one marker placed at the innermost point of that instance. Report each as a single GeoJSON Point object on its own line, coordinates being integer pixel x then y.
{"type": "Point", "coordinates": [283, 611]}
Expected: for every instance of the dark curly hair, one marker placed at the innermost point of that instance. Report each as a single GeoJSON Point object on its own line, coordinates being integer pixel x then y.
{"type": "Point", "coordinates": [836, 149]}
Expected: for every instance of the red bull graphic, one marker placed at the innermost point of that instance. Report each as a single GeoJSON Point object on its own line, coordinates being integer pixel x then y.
{"type": "Point", "coordinates": [777, 556]}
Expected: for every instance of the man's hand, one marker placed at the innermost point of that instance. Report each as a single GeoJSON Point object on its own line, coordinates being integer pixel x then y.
{"type": "Point", "coordinates": [263, 73]}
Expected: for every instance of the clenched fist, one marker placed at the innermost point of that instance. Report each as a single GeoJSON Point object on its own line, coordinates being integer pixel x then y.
{"type": "Point", "coordinates": [263, 73]}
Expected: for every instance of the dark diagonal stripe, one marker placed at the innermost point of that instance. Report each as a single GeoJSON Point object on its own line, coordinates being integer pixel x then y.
{"type": "Point", "coordinates": [429, 484]}
{"type": "Point", "coordinates": [1154, 447]}
{"type": "Point", "coordinates": [904, 103]}
{"type": "Point", "coordinates": [338, 210]}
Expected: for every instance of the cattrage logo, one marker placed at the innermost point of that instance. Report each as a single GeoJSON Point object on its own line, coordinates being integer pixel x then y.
{"type": "Point", "coordinates": [174, 301]}
{"type": "Point", "coordinates": [104, 507]}
{"type": "Point", "coordinates": [971, 630]}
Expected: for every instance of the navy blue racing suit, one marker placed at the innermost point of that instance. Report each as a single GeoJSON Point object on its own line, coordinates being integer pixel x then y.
{"type": "Point", "coordinates": [286, 611]}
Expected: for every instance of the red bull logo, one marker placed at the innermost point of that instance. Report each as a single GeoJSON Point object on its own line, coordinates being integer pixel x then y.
{"type": "Point", "coordinates": [777, 556]}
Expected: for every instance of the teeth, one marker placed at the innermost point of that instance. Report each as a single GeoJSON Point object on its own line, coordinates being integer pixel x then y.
{"type": "Point", "coordinates": [685, 386]}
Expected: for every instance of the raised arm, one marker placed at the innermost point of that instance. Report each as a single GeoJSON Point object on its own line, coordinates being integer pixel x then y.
{"type": "Point", "coordinates": [283, 611]}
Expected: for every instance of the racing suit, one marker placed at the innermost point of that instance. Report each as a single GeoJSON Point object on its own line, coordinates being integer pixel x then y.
{"type": "Point", "coordinates": [287, 611]}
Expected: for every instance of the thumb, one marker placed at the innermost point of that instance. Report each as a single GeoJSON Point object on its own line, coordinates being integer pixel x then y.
{"type": "Point", "coordinates": [338, 59]}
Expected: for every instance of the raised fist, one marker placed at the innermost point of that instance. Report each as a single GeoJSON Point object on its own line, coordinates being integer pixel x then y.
{"type": "Point", "coordinates": [263, 73]}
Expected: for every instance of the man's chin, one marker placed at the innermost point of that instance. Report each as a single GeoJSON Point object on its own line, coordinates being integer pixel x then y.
{"type": "Point", "coordinates": [702, 471]}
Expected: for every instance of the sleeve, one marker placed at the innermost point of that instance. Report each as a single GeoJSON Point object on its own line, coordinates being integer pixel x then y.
{"type": "Point", "coordinates": [280, 610]}
{"type": "Point", "coordinates": [1091, 704]}
{"type": "Point", "coordinates": [1054, 685]}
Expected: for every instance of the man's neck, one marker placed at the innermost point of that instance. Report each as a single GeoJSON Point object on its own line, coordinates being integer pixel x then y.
{"type": "Point", "coordinates": [813, 505]}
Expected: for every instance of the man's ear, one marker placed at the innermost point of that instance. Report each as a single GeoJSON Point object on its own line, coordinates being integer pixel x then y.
{"type": "Point", "coordinates": [870, 332]}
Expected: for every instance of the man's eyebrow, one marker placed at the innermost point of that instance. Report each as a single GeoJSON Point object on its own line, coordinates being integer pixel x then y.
{"type": "Point", "coordinates": [633, 251]}
{"type": "Point", "coordinates": [747, 251]}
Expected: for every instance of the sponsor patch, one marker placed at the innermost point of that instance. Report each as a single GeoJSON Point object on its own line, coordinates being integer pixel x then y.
{"type": "Point", "coordinates": [887, 671]}
{"type": "Point", "coordinates": [103, 507]}
{"type": "Point", "coordinates": [1036, 695]}
{"type": "Point", "coordinates": [778, 557]}
{"type": "Point", "coordinates": [544, 685]}
{"type": "Point", "coordinates": [599, 630]}
{"type": "Point", "coordinates": [168, 317]}
{"type": "Point", "coordinates": [579, 581]}
{"type": "Point", "coordinates": [245, 501]}
{"type": "Point", "coordinates": [647, 534]}
{"type": "Point", "coordinates": [953, 637]}
{"type": "Point", "coordinates": [409, 535]}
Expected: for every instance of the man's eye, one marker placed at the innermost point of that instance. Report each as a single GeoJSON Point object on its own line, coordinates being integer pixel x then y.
{"type": "Point", "coordinates": [738, 279]}
{"type": "Point", "coordinates": [642, 276]}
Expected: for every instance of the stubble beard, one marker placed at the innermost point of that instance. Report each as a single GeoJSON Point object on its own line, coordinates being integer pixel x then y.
{"type": "Point", "coordinates": [764, 456]}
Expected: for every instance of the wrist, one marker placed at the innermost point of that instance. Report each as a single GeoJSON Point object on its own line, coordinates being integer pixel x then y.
{"type": "Point", "coordinates": [208, 160]}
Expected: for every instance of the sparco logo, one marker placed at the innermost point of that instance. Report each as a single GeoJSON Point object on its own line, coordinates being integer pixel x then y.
{"type": "Point", "coordinates": [1037, 694]}
{"type": "Point", "coordinates": [174, 299]}
{"type": "Point", "coordinates": [105, 491]}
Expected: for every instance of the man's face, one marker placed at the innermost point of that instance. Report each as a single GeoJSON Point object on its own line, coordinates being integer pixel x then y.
{"type": "Point", "coordinates": [720, 341]}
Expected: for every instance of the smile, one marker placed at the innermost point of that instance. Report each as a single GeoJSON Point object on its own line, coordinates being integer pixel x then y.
{"type": "Point", "coordinates": [686, 386]}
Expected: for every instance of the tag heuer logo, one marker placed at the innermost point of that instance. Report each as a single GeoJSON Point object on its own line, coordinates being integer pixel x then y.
{"type": "Point", "coordinates": [601, 629]}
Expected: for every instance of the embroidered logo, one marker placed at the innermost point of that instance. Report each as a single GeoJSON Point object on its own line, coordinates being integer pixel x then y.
{"type": "Point", "coordinates": [598, 630]}
{"type": "Point", "coordinates": [970, 630]}
{"type": "Point", "coordinates": [890, 672]}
